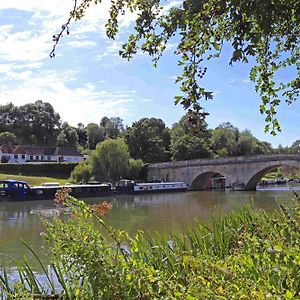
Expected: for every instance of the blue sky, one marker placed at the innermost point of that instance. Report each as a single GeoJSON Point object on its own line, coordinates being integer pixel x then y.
{"type": "Point", "coordinates": [88, 80]}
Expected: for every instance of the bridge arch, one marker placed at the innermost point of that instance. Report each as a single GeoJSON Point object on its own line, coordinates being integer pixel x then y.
{"type": "Point", "coordinates": [256, 175]}
{"type": "Point", "coordinates": [203, 181]}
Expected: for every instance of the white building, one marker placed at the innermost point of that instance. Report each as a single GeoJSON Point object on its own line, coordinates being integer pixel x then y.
{"type": "Point", "coordinates": [23, 154]}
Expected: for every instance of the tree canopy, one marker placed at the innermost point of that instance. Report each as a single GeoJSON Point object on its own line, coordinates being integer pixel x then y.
{"type": "Point", "coordinates": [32, 123]}
{"type": "Point", "coordinates": [149, 140]}
{"type": "Point", "coordinates": [268, 31]}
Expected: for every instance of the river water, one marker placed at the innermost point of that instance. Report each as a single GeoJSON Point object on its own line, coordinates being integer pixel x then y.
{"type": "Point", "coordinates": [165, 213]}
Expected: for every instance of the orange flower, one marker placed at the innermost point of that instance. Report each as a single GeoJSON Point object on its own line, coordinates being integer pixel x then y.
{"type": "Point", "coordinates": [101, 208]}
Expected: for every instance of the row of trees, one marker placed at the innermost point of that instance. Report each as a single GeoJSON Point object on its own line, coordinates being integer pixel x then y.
{"type": "Point", "coordinates": [38, 124]}
{"type": "Point", "coordinates": [148, 139]}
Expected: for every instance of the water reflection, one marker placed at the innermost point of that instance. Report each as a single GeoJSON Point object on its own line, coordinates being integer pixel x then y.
{"type": "Point", "coordinates": [154, 212]}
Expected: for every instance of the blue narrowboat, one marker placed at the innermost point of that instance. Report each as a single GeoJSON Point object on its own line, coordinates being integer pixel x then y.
{"type": "Point", "coordinates": [15, 190]}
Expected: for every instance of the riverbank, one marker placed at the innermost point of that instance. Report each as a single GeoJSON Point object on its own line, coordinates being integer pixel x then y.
{"type": "Point", "coordinates": [33, 180]}
{"type": "Point", "coordinates": [245, 255]}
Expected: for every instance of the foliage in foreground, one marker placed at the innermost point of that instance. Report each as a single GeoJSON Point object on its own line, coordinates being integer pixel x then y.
{"type": "Point", "coordinates": [266, 32]}
{"type": "Point", "coordinates": [246, 255]}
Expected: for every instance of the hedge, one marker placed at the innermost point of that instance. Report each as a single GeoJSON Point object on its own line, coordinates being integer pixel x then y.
{"type": "Point", "coordinates": [58, 170]}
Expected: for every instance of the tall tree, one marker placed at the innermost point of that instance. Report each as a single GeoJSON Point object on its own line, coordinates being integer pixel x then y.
{"type": "Point", "coordinates": [110, 160]}
{"type": "Point", "coordinates": [41, 121]}
{"type": "Point", "coordinates": [190, 140]}
{"type": "Point", "coordinates": [32, 123]}
{"type": "Point", "coordinates": [224, 139]}
{"type": "Point", "coordinates": [113, 127]}
{"type": "Point", "coordinates": [95, 134]}
{"type": "Point", "coordinates": [8, 117]}
{"type": "Point", "coordinates": [149, 140]}
{"type": "Point", "coordinates": [268, 31]}
{"type": "Point", "coordinates": [67, 136]}
{"type": "Point", "coordinates": [82, 135]}
{"type": "Point", "coordinates": [188, 147]}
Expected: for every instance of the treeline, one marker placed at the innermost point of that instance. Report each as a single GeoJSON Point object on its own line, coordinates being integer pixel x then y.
{"type": "Point", "coordinates": [148, 139]}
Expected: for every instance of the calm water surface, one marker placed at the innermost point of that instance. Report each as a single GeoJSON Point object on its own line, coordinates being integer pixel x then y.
{"type": "Point", "coordinates": [152, 213]}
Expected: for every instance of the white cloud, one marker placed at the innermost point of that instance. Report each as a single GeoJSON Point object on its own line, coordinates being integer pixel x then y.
{"type": "Point", "coordinates": [81, 44]}
{"type": "Point", "coordinates": [112, 51]}
{"type": "Point", "coordinates": [238, 81]}
{"type": "Point", "coordinates": [85, 103]}
{"type": "Point", "coordinates": [147, 100]}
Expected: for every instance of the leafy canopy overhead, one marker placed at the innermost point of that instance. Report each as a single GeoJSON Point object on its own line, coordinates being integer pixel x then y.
{"type": "Point", "coordinates": [267, 30]}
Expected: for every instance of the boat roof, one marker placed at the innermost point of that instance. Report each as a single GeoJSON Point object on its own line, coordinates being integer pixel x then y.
{"type": "Point", "coordinates": [70, 186]}
{"type": "Point", "coordinates": [160, 183]}
{"type": "Point", "coordinates": [12, 181]}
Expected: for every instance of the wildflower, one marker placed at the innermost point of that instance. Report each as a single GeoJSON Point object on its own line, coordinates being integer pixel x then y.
{"type": "Point", "coordinates": [62, 195]}
{"type": "Point", "coordinates": [101, 208]}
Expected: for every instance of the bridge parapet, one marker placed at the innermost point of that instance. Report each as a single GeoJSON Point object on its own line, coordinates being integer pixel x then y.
{"type": "Point", "coordinates": [225, 161]}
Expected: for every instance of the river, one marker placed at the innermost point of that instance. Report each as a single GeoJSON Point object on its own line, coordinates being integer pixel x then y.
{"type": "Point", "coordinates": [164, 213]}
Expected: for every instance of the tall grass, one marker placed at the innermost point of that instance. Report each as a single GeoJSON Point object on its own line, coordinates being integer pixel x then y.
{"type": "Point", "coordinates": [244, 255]}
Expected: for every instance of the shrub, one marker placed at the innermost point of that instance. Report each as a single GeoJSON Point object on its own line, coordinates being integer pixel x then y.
{"type": "Point", "coordinates": [81, 173]}
{"type": "Point", "coordinates": [59, 170]}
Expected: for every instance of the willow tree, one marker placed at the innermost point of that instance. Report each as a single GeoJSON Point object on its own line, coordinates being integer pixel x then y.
{"type": "Point", "coordinates": [267, 30]}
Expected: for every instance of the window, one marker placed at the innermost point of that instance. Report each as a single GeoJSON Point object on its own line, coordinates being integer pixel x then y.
{"type": "Point", "coordinates": [36, 157]}
{"type": "Point", "coordinates": [23, 156]}
{"type": "Point", "coordinates": [31, 157]}
{"type": "Point", "coordinates": [42, 157]}
{"type": "Point", "coordinates": [16, 155]}
{"type": "Point", "coordinates": [3, 185]}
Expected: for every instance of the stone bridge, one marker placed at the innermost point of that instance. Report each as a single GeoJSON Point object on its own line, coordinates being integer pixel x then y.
{"type": "Point", "coordinates": [243, 172]}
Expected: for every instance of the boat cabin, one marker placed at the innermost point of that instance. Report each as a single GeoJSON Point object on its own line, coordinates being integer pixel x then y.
{"type": "Point", "coordinates": [129, 186]}
{"type": "Point", "coordinates": [13, 189]}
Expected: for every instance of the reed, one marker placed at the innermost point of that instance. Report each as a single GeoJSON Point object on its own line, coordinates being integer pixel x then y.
{"type": "Point", "coordinates": [244, 255]}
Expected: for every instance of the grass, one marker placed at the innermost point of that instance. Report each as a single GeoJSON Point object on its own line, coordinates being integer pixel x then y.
{"type": "Point", "coordinates": [33, 180]}
{"type": "Point", "coordinates": [244, 255]}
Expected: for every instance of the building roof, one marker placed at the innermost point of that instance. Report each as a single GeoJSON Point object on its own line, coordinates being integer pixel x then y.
{"type": "Point", "coordinates": [67, 152]}
{"type": "Point", "coordinates": [7, 148]}
{"type": "Point", "coordinates": [29, 150]}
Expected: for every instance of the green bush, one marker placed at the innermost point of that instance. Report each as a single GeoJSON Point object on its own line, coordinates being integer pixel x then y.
{"type": "Point", "coordinates": [81, 173]}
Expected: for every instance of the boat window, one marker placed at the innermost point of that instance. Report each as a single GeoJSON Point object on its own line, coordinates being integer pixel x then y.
{"type": "Point", "coordinates": [3, 185]}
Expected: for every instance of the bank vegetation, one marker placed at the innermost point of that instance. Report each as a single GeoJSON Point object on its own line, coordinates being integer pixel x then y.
{"type": "Point", "coordinates": [244, 255]}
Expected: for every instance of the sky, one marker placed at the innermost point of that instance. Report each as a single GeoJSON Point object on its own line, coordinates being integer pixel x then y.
{"type": "Point", "coordinates": [87, 79]}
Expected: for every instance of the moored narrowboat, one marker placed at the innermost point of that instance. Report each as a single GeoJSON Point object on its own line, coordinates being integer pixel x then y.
{"type": "Point", "coordinates": [125, 186]}
{"type": "Point", "coordinates": [15, 190]}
